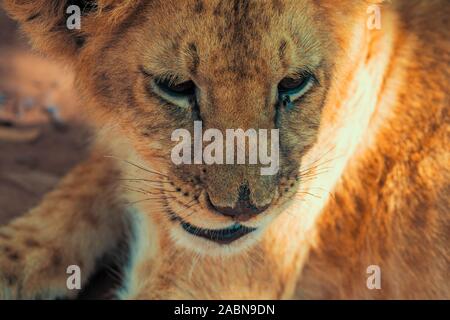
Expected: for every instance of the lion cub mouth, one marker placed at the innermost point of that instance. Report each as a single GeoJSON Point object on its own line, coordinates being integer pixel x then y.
{"type": "Point", "coordinates": [220, 236]}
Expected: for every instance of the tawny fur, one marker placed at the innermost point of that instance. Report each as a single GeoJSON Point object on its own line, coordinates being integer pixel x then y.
{"type": "Point", "coordinates": [365, 180]}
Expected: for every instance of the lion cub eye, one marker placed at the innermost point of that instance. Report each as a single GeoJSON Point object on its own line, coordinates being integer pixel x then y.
{"type": "Point", "coordinates": [186, 88]}
{"type": "Point", "coordinates": [181, 94]}
{"type": "Point", "coordinates": [291, 88]}
{"type": "Point", "coordinates": [170, 88]}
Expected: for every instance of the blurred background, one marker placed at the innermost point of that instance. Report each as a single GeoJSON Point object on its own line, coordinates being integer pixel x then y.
{"type": "Point", "coordinates": [41, 132]}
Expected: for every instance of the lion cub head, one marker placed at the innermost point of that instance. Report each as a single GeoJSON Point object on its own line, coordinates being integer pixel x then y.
{"type": "Point", "coordinates": [152, 69]}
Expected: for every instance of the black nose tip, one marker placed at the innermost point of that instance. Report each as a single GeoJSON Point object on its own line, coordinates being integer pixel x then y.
{"type": "Point", "coordinates": [244, 209]}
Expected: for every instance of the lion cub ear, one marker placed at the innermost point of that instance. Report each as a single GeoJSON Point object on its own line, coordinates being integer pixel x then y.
{"type": "Point", "coordinates": [62, 27]}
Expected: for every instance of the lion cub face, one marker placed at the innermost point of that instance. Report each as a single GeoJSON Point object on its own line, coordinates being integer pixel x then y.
{"type": "Point", "coordinates": [161, 66]}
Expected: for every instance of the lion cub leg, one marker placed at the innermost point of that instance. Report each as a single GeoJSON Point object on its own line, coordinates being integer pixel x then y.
{"type": "Point", "coordinates": [76, 224]}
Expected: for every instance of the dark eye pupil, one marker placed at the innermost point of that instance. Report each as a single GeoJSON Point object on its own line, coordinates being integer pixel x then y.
{"type": "Point", "coordinates": [184, 88]}
{"type": "Point", "coordinates": [291, 83]}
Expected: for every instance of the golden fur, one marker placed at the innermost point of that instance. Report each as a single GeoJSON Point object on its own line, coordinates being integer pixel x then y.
{"type": "Point", "coordinates": [364, 176]}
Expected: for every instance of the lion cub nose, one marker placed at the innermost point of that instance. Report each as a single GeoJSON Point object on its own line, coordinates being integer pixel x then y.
{"type": "Point", "coordinates": [243, 210]}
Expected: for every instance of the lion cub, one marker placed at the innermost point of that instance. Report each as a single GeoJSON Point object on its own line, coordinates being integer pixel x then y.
{"type": "Point", "coordinates": [362, 121]}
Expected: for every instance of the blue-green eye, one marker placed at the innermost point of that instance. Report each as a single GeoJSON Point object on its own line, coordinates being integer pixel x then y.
{"type": "Point", "coordinates": [293, 88]}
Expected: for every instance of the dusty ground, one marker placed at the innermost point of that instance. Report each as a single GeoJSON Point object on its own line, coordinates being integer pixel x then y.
{"type": "Point", "coordinates": [36, 148]}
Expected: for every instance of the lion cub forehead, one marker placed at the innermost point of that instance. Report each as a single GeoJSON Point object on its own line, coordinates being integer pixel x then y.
{"type": "Point", "coordinates": [222, 37]}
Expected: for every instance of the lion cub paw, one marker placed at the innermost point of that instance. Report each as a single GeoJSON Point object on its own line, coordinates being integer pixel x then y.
{"type": "Point", "coordinates": [28, 268]}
